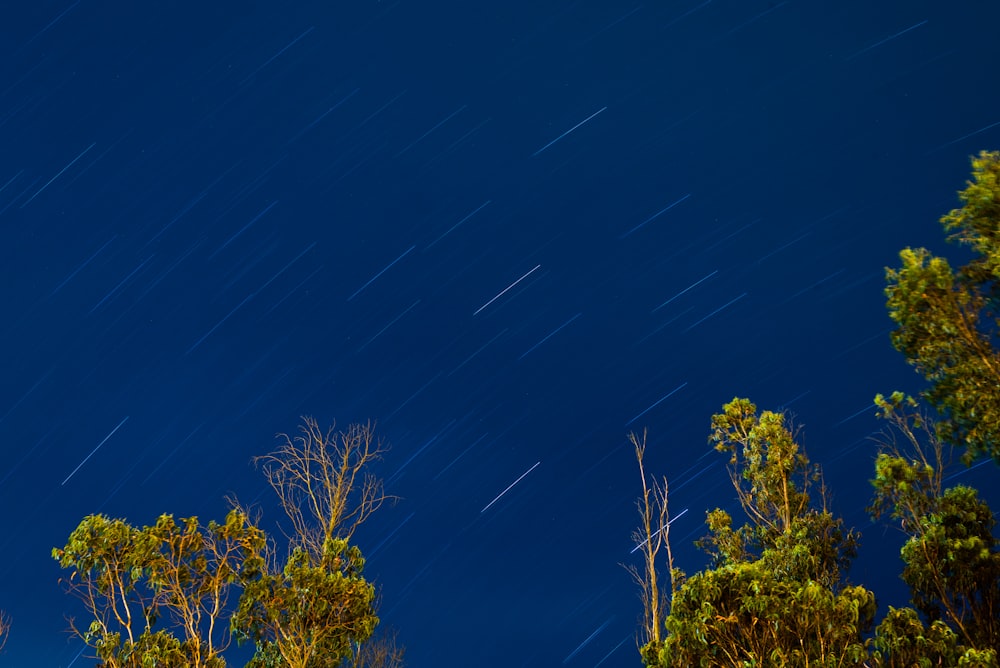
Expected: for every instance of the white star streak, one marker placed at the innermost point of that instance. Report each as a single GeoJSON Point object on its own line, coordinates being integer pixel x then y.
{"type": "Point", "coordinates": [509, 488]}
{"type": "Point", "coordinates": [658, 402]}
{"type": "Point", "coordinates": [61, 172]}
{"type": "Point", "coordinates": [693, 285]}
{"type": "Point", "coordinates": [94, 450]}
{"type": "Point", "coordinates": [669, 522]}
{"type": "Point", "coordinates": [504, 291]}
{"type": "Point", "coordinates": [568, 131]}
{"type": "Point", "coordinates": [387, 268]}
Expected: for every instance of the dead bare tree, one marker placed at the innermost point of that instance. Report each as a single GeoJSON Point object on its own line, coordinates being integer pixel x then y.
{"type": "Point", "coordinates": [323, 481]}
{"type": "Point", "coordinates": [652, 536]}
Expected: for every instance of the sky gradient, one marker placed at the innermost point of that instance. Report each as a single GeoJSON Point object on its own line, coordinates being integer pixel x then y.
{"type": "Point", "coordinates": [508, 232]}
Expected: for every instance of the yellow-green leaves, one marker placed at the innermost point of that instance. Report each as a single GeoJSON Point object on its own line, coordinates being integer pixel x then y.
{"type": "Point", "coordinates": [946, 319]}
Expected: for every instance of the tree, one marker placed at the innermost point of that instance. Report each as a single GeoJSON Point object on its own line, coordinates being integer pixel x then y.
{"type": "Point", "coordinates": [316, 608]}
{"type": "Point", "coordinates": [947, 324]}
{"type": "Point", "coordinates": [951, 557]}
{"type": "Point", "coordinates": [130, 579]}
{"type": "Point", "coordinates": [380, 651]}
{"type": "Point", "coordinates": [775, 594]}
{"type": "Point", "coordinates": [312, 613]}
{"type": "Point", "coordinates": [652, 536]}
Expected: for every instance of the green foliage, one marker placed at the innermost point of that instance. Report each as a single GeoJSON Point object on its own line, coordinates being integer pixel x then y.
{"type": "Point", "coordinates": [946, 320]}
{"type": "Point", "coordinates": [159, 596]}
{"type": "Point", "coordinates": [951, 558]}
{"type": "Point", "coordinates": [175, 576]}
{"type": "Point", "coordinates": [746, 614]}
{"type": "Point", "coordinates": [312, 614]}
{"type": "Point", "coordinates": [902, 640]}
{"type": "Point", "coordinates": [775, 594]}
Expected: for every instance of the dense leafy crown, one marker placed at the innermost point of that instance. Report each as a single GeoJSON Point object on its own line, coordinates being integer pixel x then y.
{"type": "Point", "coordinates": [947, 324]}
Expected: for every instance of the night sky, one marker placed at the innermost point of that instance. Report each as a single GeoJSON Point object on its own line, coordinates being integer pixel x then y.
{"type": "Point", "coordinates": [507, 232]}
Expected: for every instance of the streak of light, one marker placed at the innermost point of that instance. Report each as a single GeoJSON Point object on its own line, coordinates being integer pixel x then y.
{"type": "Point", "coordinates": [98, 158]}
{"type": "Point", "coordinates": [661, 327]}
{"type": "Point", "coordinates": [854, 415]}
{"type": "Point", "coordinates": [481, 349]}
{"type": "Point", "coordinates": [669, 522]}
{"type": "Point", "coordinates": [568, 131]}
{"type": "Point", "coordinates": [485, 508]}
{"type": "Point", "coordinates": [953, 141]}
{"type": "Point", "coordinates": [12, 179]}
{"type": "Point", "coordinates": [19, 195]}
{"type": "Point", "coordinates": [658, 402]}
{"type": "Point", "coordinates": [190, 205]}
{"type": "Point", "coordinates": [275, 56]}
{"type": "Point", "coordinates": [286, 267]}
{"type": "Point", "coordinates": [783, 247]}
{"type": "Point", "coordinates": [94, 450]}
{"type": "Point", "coordinates": [25, 395]}
{"type": "Point", "coordinates": [871, 338]}
{"type": "Point", "coordinates": [166, 272]}
{"type": "Point", "coordinates": [377, 112]}
{"type": "Point", "coordinates": [295, 289]}
{"type": "Point", "coordinates": [755, 18]}
{"type": "Point", "coordinates": [551, 334]}
{"type": "Point", "coordinates": [219, 324]}
{"type": "Point", "coordinates": [464, 137]}
{"type": "Point", "coordinates": [966, 470]}
{"type": "Point", "coordinates": [814, 285]}
{"type": "Point", "coordinates": [655, 215]}
{"type": "Point", "coordinates": [120, 285]}
{"type": "Point", "coordinates": [81, 267]}
{"type": "Point", "coordinates": [172, 453]}
{"type": "Point", "coordinates": [244, 228]}
{"type": "Point", "coordinates": [387, 268]}
{"type": "Point", "coordinates": [27, 453]}
{"type": "Point", "coordinates": [887, 39]}
{"type": "Point", "coordinates": [693, 285]}
{"type": "Point", "coordinates": [77, 656]}
{"type": "Point", "coordinates": [452, 228]}
{"type": "Point", "coordinates": [688, 13]}
{"type": "Point", "coordinates": [371, 553]}
{"type": "Point", "coordinates": [61, 172]}
{"type": "Point", "coordinates": [45, 29]}
{"type": "Point", "coordinates": [782, 406]}
{"type": "Point", "coordinates": [608, 655]}
{"type": "Point", "coordinates": [504, 291]}
{"type": "Point", "coordinates": [399, 472]}
{"type": "Point", "coordinates": [587, 641]}
{"type": "Point", "coordinates": [729, 303]}
{"type": "Point", "coordinates": [415, 394]}
{"type": "Point", "coordinates": [730, 235]}
{"type": "Point", "coordinates": [686, 482]}
{"type": "Point", "coordinates": [612, 24]}
{"type": "Point", "coordinates": [423, 136]}
{"type": "Point", "coordinates": [391, 323]}
{"type": "Point", "coordinates": [462, 454]}
{"type": "Point", "coordinates": [321, 117]}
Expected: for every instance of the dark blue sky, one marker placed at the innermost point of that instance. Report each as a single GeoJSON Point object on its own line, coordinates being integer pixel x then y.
{"type": "Point", "coordinates": [508, 232]}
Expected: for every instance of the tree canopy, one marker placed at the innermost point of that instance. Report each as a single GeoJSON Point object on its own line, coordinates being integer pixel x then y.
{"type": "Point", "coordinates": [775, 592]}
{"type": "Point", "coordinates": [947, 325]}
{"type": "Point", "coordinates": [176, 593]}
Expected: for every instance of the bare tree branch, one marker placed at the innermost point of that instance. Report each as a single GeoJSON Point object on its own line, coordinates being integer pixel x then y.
{"type": "Point", "coordinates": [652, 536]}
{"type": "Point", "coordinates": [323, 482]}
